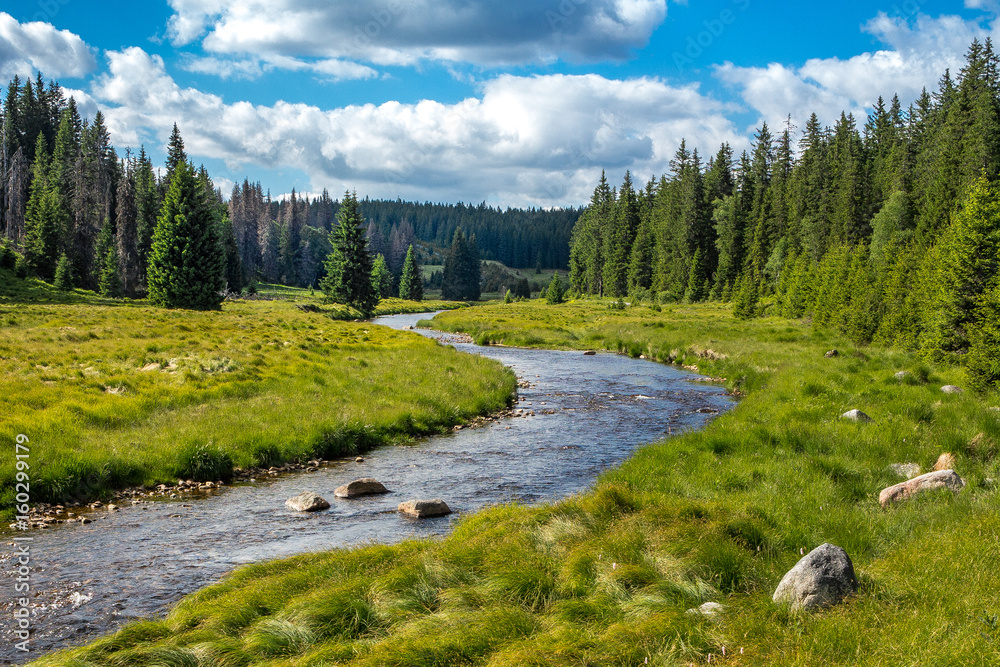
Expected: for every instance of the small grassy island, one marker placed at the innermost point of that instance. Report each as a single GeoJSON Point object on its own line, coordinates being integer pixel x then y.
{"type": "Point", "coordinates": [610, 577]}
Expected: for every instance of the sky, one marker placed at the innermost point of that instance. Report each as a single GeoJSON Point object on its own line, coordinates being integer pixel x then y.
{"type": "Point", "coordinates": [510, 102]}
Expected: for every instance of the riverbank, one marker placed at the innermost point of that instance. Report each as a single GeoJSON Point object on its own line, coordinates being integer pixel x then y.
{"type": "Point", "coordinates": [116, 394]}
{"type": "Point", "coordinates": [607, 577]}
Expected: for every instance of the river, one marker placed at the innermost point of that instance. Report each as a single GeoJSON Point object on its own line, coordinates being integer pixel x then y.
{"type": "Point", "coordinates": [590, 413]}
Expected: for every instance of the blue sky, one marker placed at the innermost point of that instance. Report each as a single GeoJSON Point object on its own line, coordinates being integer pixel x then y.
{"type": "Point", "coordinates": [518, 103]}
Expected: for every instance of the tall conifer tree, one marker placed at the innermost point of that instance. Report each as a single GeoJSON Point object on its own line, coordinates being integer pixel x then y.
{"type": "Point", "coordinates": [186, 261]}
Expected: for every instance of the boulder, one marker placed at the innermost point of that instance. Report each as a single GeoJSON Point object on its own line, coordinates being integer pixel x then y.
{"type": "Point", "coordinates": [831, 354]}
{"type": "Point", "coordinates": [906, 470]}
{"type": "Point", "coordinates": [945, 462]}
{"type": "Point", "coordinates": [307, 502]}
{"type": "Point", "coordinates": [822, 578]}
{"type": "Point", "coordinates": [856, 416]}
{"type": "Point", "coordinates": [940, 479]}
{"type": "Point", "coordinates": [366, 486]}
{"type": "Point", "coordinates": [424, 508]}
{"type": "Point", "coordinates": [589, 353]}
{"type": "Point", "coordinates": [951, 389]}
{"type": "Point", "coordinates": [709, 610]}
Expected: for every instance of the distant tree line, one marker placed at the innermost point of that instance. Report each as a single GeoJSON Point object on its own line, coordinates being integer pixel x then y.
{"type": "Point", "coordinates": [890, 232]}
{"type": "Point", "coordinates": [67, 199]}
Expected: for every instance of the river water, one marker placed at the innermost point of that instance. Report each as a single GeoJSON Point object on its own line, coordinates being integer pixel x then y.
{"type": "Point", "coordinates": [591, 412]}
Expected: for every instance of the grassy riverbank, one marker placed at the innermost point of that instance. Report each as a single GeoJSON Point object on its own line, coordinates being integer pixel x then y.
{"type": "Point", "coordinates": [112, 394]}
{"type": "Point", "coordinates": [605, 578]}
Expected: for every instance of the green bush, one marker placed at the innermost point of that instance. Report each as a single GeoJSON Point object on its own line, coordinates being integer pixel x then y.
{"type": "Point", "coordinates": [204, 463]}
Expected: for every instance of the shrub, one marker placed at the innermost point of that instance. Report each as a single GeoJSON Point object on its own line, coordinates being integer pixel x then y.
{"type": "Point", "coordinates": [64, 275]}
{"type": "Point", "coordinates": [203, 463]}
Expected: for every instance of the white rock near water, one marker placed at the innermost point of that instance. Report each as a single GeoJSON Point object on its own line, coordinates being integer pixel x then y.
{"type": "Point", "coordinates": [424, 508]}
{"type": "Point", "coordinates": [822, 578]}
{"type": "Point", "coordinates": [366, 486]}
{"type": "Point", "coordinates": [307, 502]}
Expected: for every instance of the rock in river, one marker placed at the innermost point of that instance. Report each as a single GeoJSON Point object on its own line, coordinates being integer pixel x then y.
{"type": "Point", "coordinates": [424, 508]}
{"type": "Point", "coordinates": [941, 479]}
{"type": "Point", "coordinates": [307, 502]}
{"type": "Point", "coordinates": [822, 578]}
{"type": "Point", "coordinates": [366, 486]}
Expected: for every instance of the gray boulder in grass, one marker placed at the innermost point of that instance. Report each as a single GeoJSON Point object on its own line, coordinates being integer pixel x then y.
{"type": "Point", "coordinates": [856, 416]}
{"type": "Point", "coordinates": [822, 578]}
{"type": "Point", "coordinates": [307, 502]}
{"type": "Point", "coordinates": [938, 479]}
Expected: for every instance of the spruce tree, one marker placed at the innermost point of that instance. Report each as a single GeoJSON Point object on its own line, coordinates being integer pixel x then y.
{"type": "Point", "coordinates": [64, 274]}
{"type": "Point", "coordinates": [619, 239]}
{"type": "Point", "coordinates": [46, 219]}
{"type": "Point", "coordinates": [411, 283]}
{"type": "Point", "coordinates": [233, 271]}
{"type": "Point", "coordinates": [461, 274]}
{"type": "Point", "coordinates": [348, 277]}
{"type": "Point", "coordinates": [554, 294]}
{"type": "Point", "coordinates": [186, 261]}
{"type": "Point", "coordinates": [108, 273]}
{"type": "Point", "coordinates": [970, 260]}
{"type": "Point", "coordinates": [746, 302]}
{"type": "Point", "coordinates": [109, 282]}
{"type": "Point", "coordinates": [381, 278]}
{"type": "Point", "coordinates": [175, 153]}
{"type": "Point", "coordinates": [147, 203]}
{"type": "Point", "coordinates": [983, 364]}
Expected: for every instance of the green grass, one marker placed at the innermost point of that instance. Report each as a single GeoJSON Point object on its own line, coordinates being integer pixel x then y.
{"type": "Point", "coordinates": [605, 578]}
{"type": "Point", "coordinates": [113, 394]}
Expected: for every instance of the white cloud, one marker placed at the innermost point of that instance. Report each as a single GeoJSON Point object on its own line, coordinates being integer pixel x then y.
{"type": "Point", "coordinates": [538, 140]}
{"type": "Point", "coordinates": [393, 32]}
{"type": "Point", "coordinates": [227, 68]}
{"type": "Point", "coordinates": [254, 68]}
{"type": "Point", "coordinates": [917, 56]}
{"type": "Point", "coordinates": [26, 48]}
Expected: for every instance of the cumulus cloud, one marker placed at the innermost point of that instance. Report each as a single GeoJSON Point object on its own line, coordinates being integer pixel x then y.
{"type": "Point", "coordinates": [254, 68]}
{"type": "Point", "coordinates": [405, 32]}
{"type": "Point", "coordinates": [917, 55]}
{"type": "Point", "coordinates": [26, 48]}
{"type": "Point", "coordinates": [538, 140]}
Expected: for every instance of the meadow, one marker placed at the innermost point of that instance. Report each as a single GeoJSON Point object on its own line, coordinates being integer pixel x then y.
{"type": "Point", "coordinates": [607, 577]}
{"type": "Point", "coordinates": [116, 393]}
